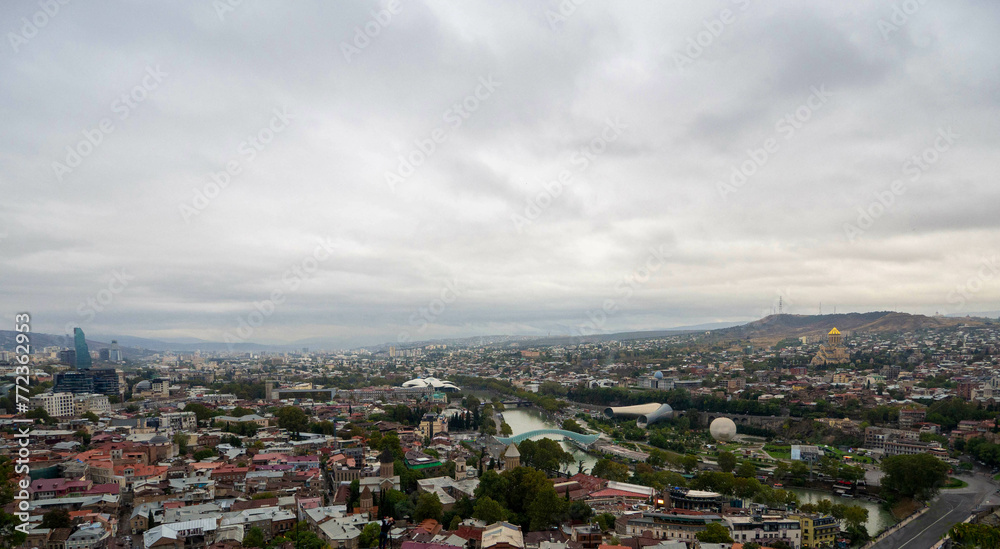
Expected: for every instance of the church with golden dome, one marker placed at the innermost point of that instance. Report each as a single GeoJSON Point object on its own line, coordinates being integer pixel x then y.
{"type": "Point", "coordinates": [833, 352]}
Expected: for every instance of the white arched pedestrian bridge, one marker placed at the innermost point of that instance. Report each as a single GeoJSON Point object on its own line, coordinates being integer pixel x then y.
{"type": "Point", "coordinates": [586, 440]}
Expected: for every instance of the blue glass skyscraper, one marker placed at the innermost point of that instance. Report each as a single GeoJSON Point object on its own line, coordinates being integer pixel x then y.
{"type": "Point", "coordinates": [83, 361]}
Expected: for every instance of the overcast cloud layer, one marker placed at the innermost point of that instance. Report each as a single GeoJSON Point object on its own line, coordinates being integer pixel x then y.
{"type": "Point", "coordinates": [583, 159]}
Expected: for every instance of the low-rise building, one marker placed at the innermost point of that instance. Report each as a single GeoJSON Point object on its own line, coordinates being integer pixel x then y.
{"type": "Point", "coordinates": [673, 525]}
{"type": "Point", "coordinates": [763, 529]}
{"type": "Point", "coordinates": [818, 530]}
{"type": "Point", "coordinates": [502, 535]}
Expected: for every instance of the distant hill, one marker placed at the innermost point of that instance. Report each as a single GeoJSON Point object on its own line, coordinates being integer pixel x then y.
{"type": "Point", "coordinates": [39, 341]}
{"type": "Point", "coordinates": [774, 328]}
{"type": "Point", "coordinates": [766, 331]}
{"type": "Point", "coordinates": [131, 347]}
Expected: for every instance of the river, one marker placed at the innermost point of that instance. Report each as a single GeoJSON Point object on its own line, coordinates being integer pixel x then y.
{"type": "Point", "coordinates": [522, 420]}
{"type": "Point", "coordinates": [878, 518]}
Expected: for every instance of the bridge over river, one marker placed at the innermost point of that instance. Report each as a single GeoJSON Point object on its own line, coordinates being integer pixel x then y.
{"type": "Point", "coordinates": [585, 440]}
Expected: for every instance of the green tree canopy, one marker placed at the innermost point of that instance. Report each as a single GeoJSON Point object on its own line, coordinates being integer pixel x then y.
{"type": "Point", "coordinates": [545, 454]}
{"type": "Point", "coordinates": [254, 537]}
{"type": "Point", "coordinates": [610, 470]}
{"type": "Point", "coordinates": [714, 533]}
{"type": "Point", "coordinates": [489, 510]}
{"type": "Point", "coordinates": [369, 535]}
{"type": "Point", "coordinates": [547, 509]}
{"type": "Point", "coordinates": [727, 461]}
{"type": "Point", "coordinates": [918, 476]}
{"type": "Point", "coordinates": [57, 518]}
{"type": "Point", "coordinates": [428, 507]}
{"type": "Point", "coordinates": [975, 536]}
{"type": "Point", "coordinates": [292, 419]}
{"type": "Point", "coordinates": [746, 469]}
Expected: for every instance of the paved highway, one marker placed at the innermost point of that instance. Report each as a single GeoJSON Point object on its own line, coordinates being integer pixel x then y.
{"type": "Point", "coordinates": [949, 508]}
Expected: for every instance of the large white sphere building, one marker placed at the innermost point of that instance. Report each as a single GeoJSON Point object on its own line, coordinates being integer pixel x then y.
{"type": "Point", "coordinates": [722, 429]}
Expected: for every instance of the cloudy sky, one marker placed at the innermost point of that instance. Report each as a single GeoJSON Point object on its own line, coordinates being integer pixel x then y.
{"type": "Point", "coordinates": [364, 172]}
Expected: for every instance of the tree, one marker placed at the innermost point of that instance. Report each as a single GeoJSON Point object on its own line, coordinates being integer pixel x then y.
{"type": "Point", "coordinates": [746, 470]}
{"type": "Point", "coordinates": [254, 538]}
{"type": "Point", "coordinates": [570, 424]}
{"type": "Point", "coordinates": [91, 417]}
{"type": "Point", "coordinates": [201, 412]}
{"type": "Point", "coordinates": [610, 470]}
{"type": "Point", "coordinates": [488, 510]}
{"type": "Point", "coordinates": [727, 461]}
{"type": "Point", "coordinates": [781, 470]}
{"type": "Point", "coordinates": [855, 516]}
{"type": "Point", "coordinates": [975, 536]}
{"type": "Point", "coordinates": [546, 509]}
{"type": "Point", "coordinates": [204, 453]}
{"type": "Point", "coordinates": [41, 415]}
{"type": "Point", "coordinates": [292, 419]}
{"type": "Point", "coordinates": [181, 440]}
{"type": "Point", "coordinates": [10, 535]}
{"type": "Point", "coordinates": [506, 429]}
{"type": "Point", "coordinates": [799, 470]}
{"type": "Point", "coordinates": [579, 511]}
{"type": "Point", "coordinates": [84, 436]}
{"type": "Point", "coordinates": [354, 494]}
{"type": "Point", "coordinates": [57, 518]}
{"type": "Point", "coordinates": [714, 533]}
{"type": "Point", "coordinates": [456, 521]}
{"type": "Point", "coordinates": [494, 486]}
{"type": "Point", "coordinates": [369, 535]}
{"type": "Point", "coordinates": [606, 521]}
{"type": "Point", "coordinates": [545, 454]}
{"type": "Point", "coordinates": [690, 462]}
{"type": "Point", "coordinates": [918, 476]}
{"type": "Point", "coordinates": [428, 507]}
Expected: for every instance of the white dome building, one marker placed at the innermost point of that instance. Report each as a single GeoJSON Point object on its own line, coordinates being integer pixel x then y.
{"type": "Point", "coordinates": [433, 382]}
{"type": "Point", "coordinates": [722, 429]}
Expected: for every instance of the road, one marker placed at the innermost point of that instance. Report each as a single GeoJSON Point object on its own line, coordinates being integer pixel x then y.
{"type": "Point", "coordinates": [951, 507]}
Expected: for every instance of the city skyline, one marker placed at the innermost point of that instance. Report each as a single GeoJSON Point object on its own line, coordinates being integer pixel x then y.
{"type": "Point", "coordinates": [384, 172]}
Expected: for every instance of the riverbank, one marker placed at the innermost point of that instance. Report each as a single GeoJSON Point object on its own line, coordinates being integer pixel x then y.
{"type": "Point", "coordinates": [878, 518]}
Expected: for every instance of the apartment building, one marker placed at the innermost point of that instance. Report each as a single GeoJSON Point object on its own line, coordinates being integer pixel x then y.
{"type": "Point", "coordinates": [54, 404]}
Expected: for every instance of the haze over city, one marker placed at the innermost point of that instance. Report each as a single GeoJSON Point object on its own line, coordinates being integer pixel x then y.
{"type": "Point", "coordinates": [417, 171]}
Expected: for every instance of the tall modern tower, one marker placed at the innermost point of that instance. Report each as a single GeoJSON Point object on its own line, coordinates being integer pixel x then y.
{"type": "Point", "coordinates": [83, 361]}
